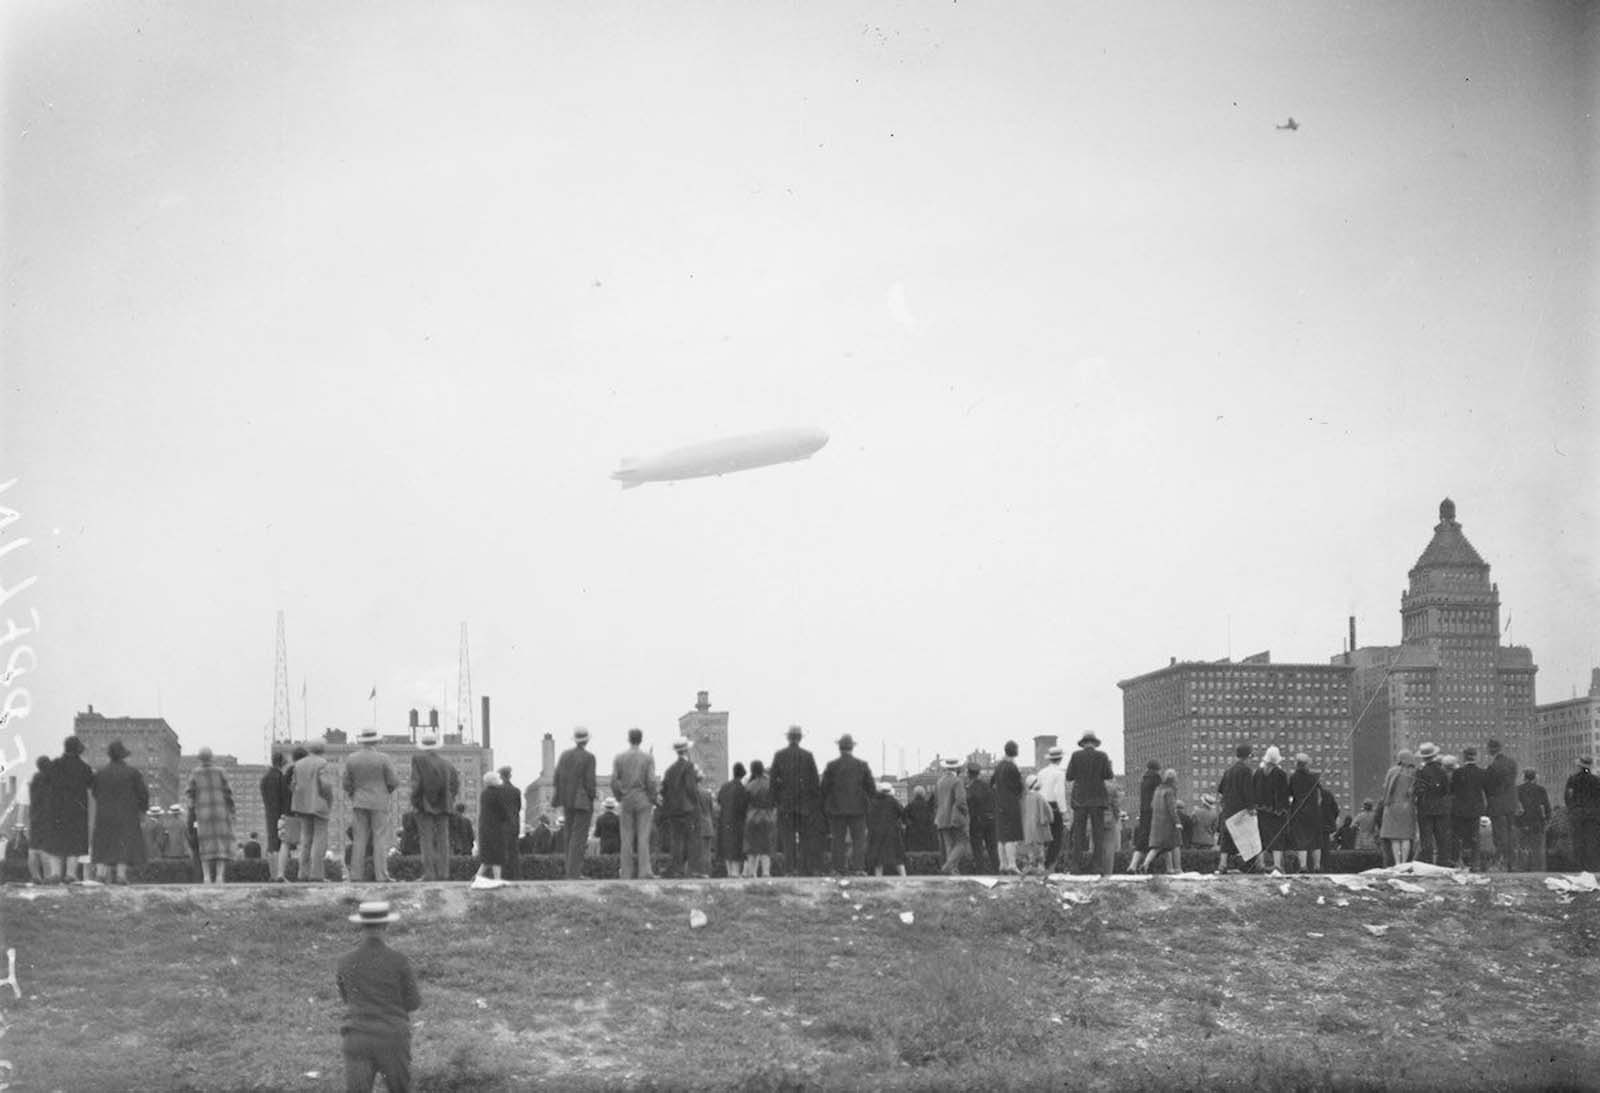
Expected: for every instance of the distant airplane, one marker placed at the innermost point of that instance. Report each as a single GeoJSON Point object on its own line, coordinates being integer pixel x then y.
{"type": "Point", "coordinates": [1291, 126]}
{"type": "Point", "coordinates": [717, 457]}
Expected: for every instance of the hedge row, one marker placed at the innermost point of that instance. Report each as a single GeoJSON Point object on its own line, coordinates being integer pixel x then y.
{"type": "Point", "coordinates": [606, 867]}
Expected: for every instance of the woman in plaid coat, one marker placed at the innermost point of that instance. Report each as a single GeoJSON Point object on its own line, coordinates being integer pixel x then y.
{"type": "Point", "coordinates": [211, 806]}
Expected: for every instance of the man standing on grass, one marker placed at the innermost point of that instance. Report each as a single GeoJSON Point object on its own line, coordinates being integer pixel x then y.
{"type": "Point", "coordinates": [434, 785]}
{"type": "Point", "coordinates": [1531, 823]}
{"type": "Point", "coordinates": [1053, 788]}
{"type": "Point", "coordinates": [951, 817]}
{"type": "Point", "coordinates": [633, 783]}
{"type": "Point", "coordinates": [275, 800]}
{"type": "Point", "coordinates": [1582, 799]}
{"type": "Point", "coordinates": [313, 801]}
{"type": "Point", "coordinates": [680, 806]}
{"type": "Point", "coordinates": [1500, 787]}
{"type": "Point", "coordinates": [1237, 793]}
{"type": "Point", "coordinates": [379, 991]}
{"type": "Point", "coordinates": [1088, 772]}
{"type": "Point", "coordinates": [369, 783]}
{"type": "Point", "coordinates": [1431, 791]}
{"type": "Point", "coordinates": [1468, 803]}
{"type": "Point", "coordinates": [798, 792]}
{"type": "Point", "coordinates": [847, 789]}
{"type": "Point", "coordinates": [575, 794]}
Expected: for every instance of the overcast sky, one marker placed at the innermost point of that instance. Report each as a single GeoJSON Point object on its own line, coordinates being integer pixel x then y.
{"type": "Point", "coordinates": [349, 311]}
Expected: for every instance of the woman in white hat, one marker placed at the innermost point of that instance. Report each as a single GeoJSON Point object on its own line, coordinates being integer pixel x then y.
{"type": "Point", "coordinates": [1271, 786]}
{"type": "Point", "coordinates": [495, 846]}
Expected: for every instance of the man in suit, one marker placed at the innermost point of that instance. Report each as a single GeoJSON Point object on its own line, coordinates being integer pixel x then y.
{"type": "Point", "coordinates": [1531, 823]}
{"type": "Point", "coordinates": [797, 791]}
{"type": "Point", "coordinates": [680, 810]}
{"type": "Point", "coordinates": [1582, 798]}
{"type": "Point", "coordinates": [980, 820]}
{"type": "Point", "coordinates": [312, 803]}
{"type": "Point", "coordinates": [369, 783]}
{"type": "Point", "coordinates": [1088, 771]}
{"type": "Point", "coordinates": [1500, 788]}
{"type": "Point", "coordinates": [275, 799]}
{"type": "Point", "coordinates": [951, 817]}
{"type": "Point", "coordinates": [847, 788]}
{"type": "Point", "coordinates": [1431, 792]}
{"type": "Point", "coordinates": [434, 785]}
{"type": "Point", "coordinates": [575, 794]}
{"type": "Point", "coordinates": [1468, 804]}
{"type": "Point", "coordinates": [1237, 793]}
{"type": "Point", "coordinates": [633, 783]}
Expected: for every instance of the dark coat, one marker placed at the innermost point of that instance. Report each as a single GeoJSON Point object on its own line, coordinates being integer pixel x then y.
{"type": "Point", "coordinates": [434, 783]}
{"type": "Point", "coordinates": [847, 786]}
{"type": "Point", "coordinates": [1007, 782]}
{"type": "Point", "coordinates": [980, 803]}
{"type": "Point", "coordinates": [1271, 788]}
{"type": "Point", "coordinates": [71, 782]}
{"type": "Point", "coordinates": [1466, 790]}
{"type": "Point", "coordinates": [608, 829]}
{"type": "Point", "coordinates": [732, 804]}
{"type": "Point", "coordinates": [1535, 804]}
{"type": "Point", "coordinates": [275, 795]}
{"type": "Point", "coordinates": [575, 784]}
{"type": "Point", "coordinates": [1306, 808]}
{"type": "Point", "coordinates": [39, 810]}
{"type": "Point", "coordinates": [795, 785]}
{"type": "Point", "coordinates": [1431, 790]}
{"type": "Point", "coordinates": [1088, 771]}
{"type": "Point", "coordinates": [1147, 792]}
{"type": "Point", "coordinates": [120, 800]}
{"type": "Point", "coordinates": [1500, 785]}
{"type": "Point", "coordinates": [921, 834]}
{"type": "Point", "coordinates": [886, 844]}
{"type": "Point", "coordinates": [543, 839]}
{"type": "Point", "coordinates": [680, 789]}
{"type": "Point", "coordinates": [496, 833]}
{"type": "Point", "coordinates": [1237, 789]}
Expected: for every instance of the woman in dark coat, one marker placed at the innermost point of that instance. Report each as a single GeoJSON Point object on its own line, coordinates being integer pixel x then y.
{"type": "Point", "coordinates": [1164, 831]}
{"type": "Point", "coordinates": [1271, 787]}
{"type": "Point", "coordinates": [1007, 782]}
{"type": "Point", "coordinates": [493, 848]}
{"type": "Point", "coordinates": [1305, 813]}
{"type": "Point", "coordinates": [511, 818]}
{"type": "Point", "coordinates": [761, 818]}
{"type": "Point", "coordinates": [39, 822]}
{"type": "Point", "coordinates": [733, 803]}
{"type": "Point", "coordinates": [71, 782]}
{"type": "Point", "coordinates": [120, 800]}
{"type": "Point", "coordinates": [886, 842]}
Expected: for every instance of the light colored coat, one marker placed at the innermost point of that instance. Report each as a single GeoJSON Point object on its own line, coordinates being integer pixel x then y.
{"type": "Point", "coordinates": [313, 789]}
{"type": "Point", "coordinates": [369, 779]}
{"type": "Point", "coordinates": [950, 802]}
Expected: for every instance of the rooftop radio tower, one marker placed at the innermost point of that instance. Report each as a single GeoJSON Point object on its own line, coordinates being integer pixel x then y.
{"type": "Point", "coordinates": [281, 731]}
{"type": "Point", "coordinates": [464, 694]}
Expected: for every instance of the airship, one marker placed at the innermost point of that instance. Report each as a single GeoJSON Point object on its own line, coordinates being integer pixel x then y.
{"type": "Point", "coordinates": [715, 457]}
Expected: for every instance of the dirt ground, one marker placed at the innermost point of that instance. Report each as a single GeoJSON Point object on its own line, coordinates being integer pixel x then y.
{"type": "Point", "coordinates": [917, 983]}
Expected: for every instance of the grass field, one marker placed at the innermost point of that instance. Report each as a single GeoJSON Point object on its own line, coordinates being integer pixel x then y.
{"type": "Point", "coordinates": [1242, 983]}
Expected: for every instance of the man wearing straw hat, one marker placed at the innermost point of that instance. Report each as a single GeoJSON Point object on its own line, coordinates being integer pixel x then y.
{"type": "Point", "coordinates": [369, 782]}
{"type": "Point", "coordinates": [379, 991]}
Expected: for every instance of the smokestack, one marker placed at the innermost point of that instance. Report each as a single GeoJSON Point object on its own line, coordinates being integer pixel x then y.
{"type": "Point", "coordinates": [433, 719]}
{"type": "Point", "coordinates": [1352, 633]}
{"type": "Point", "coordinates": [702, 701]}
{"type": "Point", "coordinates": [547, 754]}
{"type": "Point", "coordinates": [485, 720]}
{"type": "Point", "coordinates": [1594, 683]}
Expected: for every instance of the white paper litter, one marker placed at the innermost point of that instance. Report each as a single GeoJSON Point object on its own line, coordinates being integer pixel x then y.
{"type": "Point", "coordinates": [1375, 931]}
{"type": "Point", "coordinates": [1321, 900]}
{"type": "Point", "coordinates": [697, 919]}
{"type": "Point", "coordinates": [1353, 883]}
{"type": "Point", "coordinates": [1341, 903]}
{"type": "Point", "coordinates": [480, 883]}
{"type": "Point", "coordinates": [1411, 869]}
{"type": "Point", "coordinates": [1314, 935]}
{"type": "Point", "coordinates": [987, 882]}
{"type": "Point", "coordinates": [908, 917]}
{"type": "Point", "coordinates": [1284, 887]}
{"type": "Point", "coordinates": [1407, 886]}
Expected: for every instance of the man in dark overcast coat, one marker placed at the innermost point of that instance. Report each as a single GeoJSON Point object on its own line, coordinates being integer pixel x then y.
{"type": "Point", "coordinates": [680, 809]}
{"type": "Point", "coordinates": [1500, 787]}
{"type": "Point", "coordinates": [1088, 772]}
{"type": "Point", "coordinates": [797, 791]}
{"type": "Point", "coordinates": [1237, 793]}
{"type": "Point", "coordinates": [574, 794]}
{"type": "Point", "coordinates": [847, 788]}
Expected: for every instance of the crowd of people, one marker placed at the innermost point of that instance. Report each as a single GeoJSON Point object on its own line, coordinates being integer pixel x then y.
{"type": "Point", "coordinates": [833, 819]}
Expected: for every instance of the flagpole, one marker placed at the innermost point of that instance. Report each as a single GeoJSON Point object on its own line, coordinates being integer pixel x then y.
{"type": "Point", "coordinates": [305, 710]}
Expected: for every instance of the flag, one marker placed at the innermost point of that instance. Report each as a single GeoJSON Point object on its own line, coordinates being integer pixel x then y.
{"type": "Point", "coordinates": [373, 695]}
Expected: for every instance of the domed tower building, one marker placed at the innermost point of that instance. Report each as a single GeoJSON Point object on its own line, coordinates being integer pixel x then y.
{"type": "Point", "coordinates": [1450, 681]}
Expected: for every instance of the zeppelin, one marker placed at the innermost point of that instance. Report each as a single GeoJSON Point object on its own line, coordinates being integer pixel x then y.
{"type": "Point", "coordinates": [716, 457]}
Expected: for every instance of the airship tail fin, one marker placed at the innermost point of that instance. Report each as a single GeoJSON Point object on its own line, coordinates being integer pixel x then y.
{"type": "Point", "coordinates": [629, 483]}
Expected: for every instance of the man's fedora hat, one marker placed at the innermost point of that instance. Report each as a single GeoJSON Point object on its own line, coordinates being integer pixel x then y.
{"type": "Point", "coordinates": [1427, 751]}
{"type": "Point", "coordinates": [428, 741]}
{"type": "Point", "coordinates": [847, 742]}
{"type": "Point", "coordinates": [1088, 738]}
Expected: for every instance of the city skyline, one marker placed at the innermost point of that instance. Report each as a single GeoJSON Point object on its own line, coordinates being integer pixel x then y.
{"type": "Point", "coordinates": [354, 320]}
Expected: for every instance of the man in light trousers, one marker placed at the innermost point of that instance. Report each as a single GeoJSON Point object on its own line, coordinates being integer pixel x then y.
{"type": "Point", "coordinates": [633, 784]}
{"type": "Point", "coordinates": [369, 782]}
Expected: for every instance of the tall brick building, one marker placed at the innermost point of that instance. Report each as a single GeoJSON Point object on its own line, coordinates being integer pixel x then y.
{"type": "Point", "coordinates": [707, 730]}
{"type": "Point", "coordinates": [472, 762]}
{"type": "Point", "coordinates": [1450, 681]}
{"type": "Point", "coordinates": [151, 742]}
{"type": "Point", "coordinates": [1565, 732]}
{"type": "Point", "coordinates": [1191, 714]}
